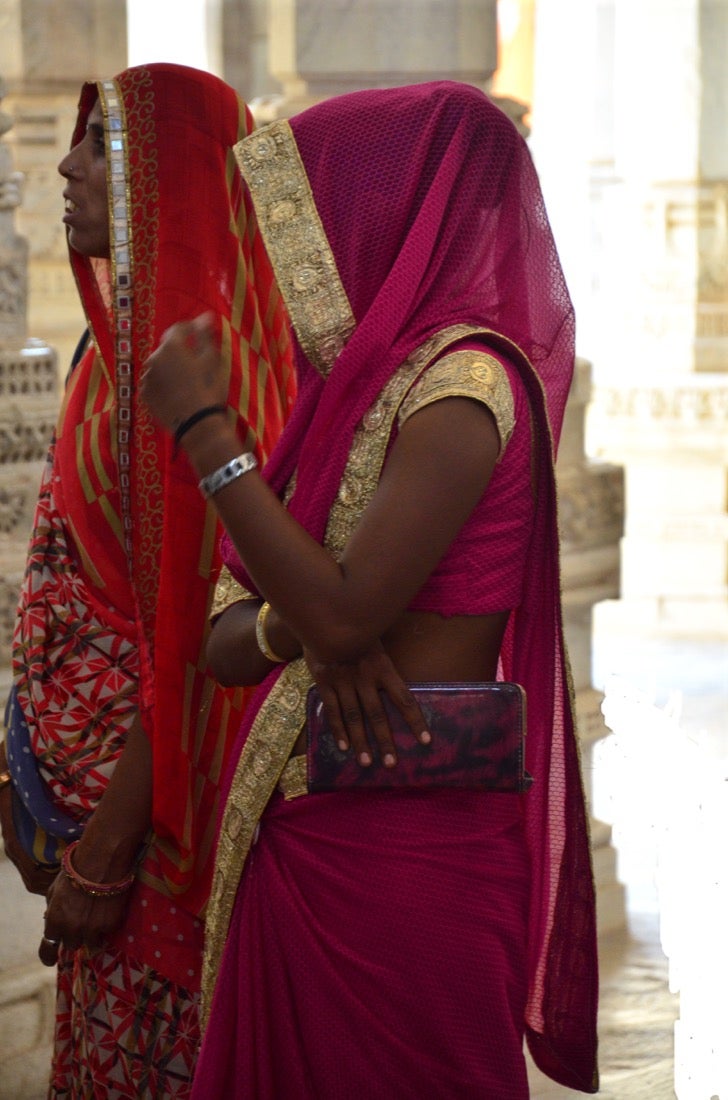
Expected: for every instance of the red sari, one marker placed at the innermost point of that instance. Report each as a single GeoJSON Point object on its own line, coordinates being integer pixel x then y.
{"type": "Point", "coordinates": [125, 555]}
{"type": "Point", "coordinates": [404, 944]}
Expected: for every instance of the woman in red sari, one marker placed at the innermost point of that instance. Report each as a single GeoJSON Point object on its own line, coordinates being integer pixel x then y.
{"type": "Point", "coordinates": [401, 943]}
{"type": "Point", "coordinates": [126, 727]}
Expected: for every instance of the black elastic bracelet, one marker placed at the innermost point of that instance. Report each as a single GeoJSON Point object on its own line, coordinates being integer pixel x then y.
{"type": "Point", "coordinates": [196, 417]}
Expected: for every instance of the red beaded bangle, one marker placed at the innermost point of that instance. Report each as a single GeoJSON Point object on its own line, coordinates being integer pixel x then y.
{"type": "Point", "coordinates": [93, 889]}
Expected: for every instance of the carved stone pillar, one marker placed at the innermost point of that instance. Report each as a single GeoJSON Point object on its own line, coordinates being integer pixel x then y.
{"type": "Point", "coordinates": [47, 50]}
{"type": "Point", "coordinates": [661, 394]}
{"type": "Point", "coordinates": [28, 400]}
{"type": "Point", "coordinates": [28, 407]}
{"type": "Point", "coordinates": [591, 508]}
{"type": "Point", "coordinates": [320, 48]}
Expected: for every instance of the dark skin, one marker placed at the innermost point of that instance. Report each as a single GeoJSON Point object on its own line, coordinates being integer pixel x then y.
{"type": "Point", "coordinates": [348, 618]}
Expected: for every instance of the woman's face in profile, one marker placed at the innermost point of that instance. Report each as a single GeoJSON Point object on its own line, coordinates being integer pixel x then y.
{"type": "Point", "coordinates": [87, 209]}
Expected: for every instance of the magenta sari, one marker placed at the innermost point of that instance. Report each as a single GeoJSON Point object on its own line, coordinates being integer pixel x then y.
{"type": "Point", "coordinates": [402, 945]}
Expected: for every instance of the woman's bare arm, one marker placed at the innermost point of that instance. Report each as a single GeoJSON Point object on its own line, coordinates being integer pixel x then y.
{"type": "Point", "coordinates": [435, 474]}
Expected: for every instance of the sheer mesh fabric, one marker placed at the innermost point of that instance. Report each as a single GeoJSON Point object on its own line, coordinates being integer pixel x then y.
{"type": "Point", "coordinates": [433, 211]}
{"type": "Point", "coordinates": [434, 214]}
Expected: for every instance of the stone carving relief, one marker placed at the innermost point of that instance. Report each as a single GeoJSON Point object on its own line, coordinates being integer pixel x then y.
{"type": "Point", "coordinates": [12, 288]}
{"type": "Point", "coordinates": [28, 400]}
{"type": "Point", "coordinates": [684, 404]}
{"type": "Point", "coordinates": [591, 507]}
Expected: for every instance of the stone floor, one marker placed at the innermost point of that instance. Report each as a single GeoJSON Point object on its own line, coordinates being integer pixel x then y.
{"type": "Point", "coordinates": [661, 780]}
{"type": "Point", "coordinates": [636, 1018]}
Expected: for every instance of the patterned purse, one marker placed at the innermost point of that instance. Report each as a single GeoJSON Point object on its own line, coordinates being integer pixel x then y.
{"type": "Point", "coordinates": [478, 732]}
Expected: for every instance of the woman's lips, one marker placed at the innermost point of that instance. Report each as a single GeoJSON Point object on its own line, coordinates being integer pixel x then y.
{"type": "Point", "coordinates": [69, 209]}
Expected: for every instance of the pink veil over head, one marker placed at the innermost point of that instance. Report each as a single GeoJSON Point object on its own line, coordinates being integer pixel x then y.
{"type": "Point", "coordinates": [433, 212]}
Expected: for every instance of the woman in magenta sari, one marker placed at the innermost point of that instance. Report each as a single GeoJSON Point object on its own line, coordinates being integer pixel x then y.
{"type": "Point", "coordinates": [395, 944]}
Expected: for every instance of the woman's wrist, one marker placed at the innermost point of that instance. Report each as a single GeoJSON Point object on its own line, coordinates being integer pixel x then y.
{"type": "Point", "coordinates": [107, 862]}
{"type": "Point", "coordinates": [209, 444]}
{"type": "Point", "coordinates": [95, 888]}
{"type": "Point", "coordinates": [280, 638]}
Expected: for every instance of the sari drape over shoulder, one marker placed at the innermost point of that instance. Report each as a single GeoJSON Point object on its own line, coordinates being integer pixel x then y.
{"type": "Point", "coordinates": [404, 224]}
{"type": "Point", "coordinates": [124, 557]}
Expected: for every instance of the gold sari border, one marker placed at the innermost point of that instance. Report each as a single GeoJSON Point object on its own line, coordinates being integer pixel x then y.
{"type": "Point", "coordinates": [267, 749]}
{"type": "Point", "coordinates": [294, 778]}
{"type": "Point", "coordinates": [296, 242]}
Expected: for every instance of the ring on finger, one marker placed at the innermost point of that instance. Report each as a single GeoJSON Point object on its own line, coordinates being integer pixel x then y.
{"type": "Point", "coordinates": [52, 943]}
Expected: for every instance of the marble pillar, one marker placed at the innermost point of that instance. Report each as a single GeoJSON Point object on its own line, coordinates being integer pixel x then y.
{"type": "Point", "coordinates": [320, 48]}
{"type": "Point", "coordinates": [47, 50]}
{"type": "Point", "coordinates": [661, 379]}
{"type": "Point", "coordinates": [591, 515]}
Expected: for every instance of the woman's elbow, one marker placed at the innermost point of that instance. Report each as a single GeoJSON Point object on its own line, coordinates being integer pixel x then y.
{"type": "Point", "coordinates": [224, 664]}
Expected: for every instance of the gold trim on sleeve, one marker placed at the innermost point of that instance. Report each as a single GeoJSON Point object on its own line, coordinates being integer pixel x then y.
{"type": "Point", "coordinates": [466, 373]}
{"type": "Point", "coordinates": [227, 592]}
{"type": "Point", "coordinates": [296, 243]}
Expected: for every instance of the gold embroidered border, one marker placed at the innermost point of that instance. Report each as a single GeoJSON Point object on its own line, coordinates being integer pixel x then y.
{"type": "Point", "coordinates": [227, 592]}
{"type": "Point", "coordinates": [466, 373]}
{"type": "Point", "coordinates": [294, 778]}
{"type": "Point", "coordinates": [296, 243]}
{"type": "Point", "coordinates": [261, 762]}
{"type": "Point", "coordinates": [369, 445]}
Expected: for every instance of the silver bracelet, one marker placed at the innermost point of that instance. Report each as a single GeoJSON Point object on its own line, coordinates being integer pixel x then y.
{"type": "Point", "coordinates": [226, 474]}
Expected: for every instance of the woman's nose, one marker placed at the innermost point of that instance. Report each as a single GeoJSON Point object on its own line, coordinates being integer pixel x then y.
{"type": "Point", "coordinates": [68, 166]}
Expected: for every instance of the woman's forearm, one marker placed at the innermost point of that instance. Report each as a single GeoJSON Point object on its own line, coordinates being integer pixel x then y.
{"type": "Point", "coordinates": [233, 653]}
{"type": "Point", "coordinates": [111, 840]}
{"type": "Point", "coordinates": [436, 472]}
{"type": "Point", "coordinates": [297, 576]}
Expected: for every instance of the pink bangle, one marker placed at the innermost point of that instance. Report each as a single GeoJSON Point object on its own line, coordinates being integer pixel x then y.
{"type": "Point", "coordinates": [93, 889]}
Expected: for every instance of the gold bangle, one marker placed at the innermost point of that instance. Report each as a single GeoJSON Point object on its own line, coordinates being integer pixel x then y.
{"type": "Point", "coordinates": [261, 639]}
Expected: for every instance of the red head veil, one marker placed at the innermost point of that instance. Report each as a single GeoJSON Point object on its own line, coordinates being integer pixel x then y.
{"type": "Point", "coordinates": [433, 214]}
{"type": "Point", "coordinates": [184, 239]}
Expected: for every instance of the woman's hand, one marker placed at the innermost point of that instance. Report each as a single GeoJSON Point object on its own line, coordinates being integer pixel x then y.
{"type": "Point", "coordinates": [106, 853]}
{"type": "Point", "coordinates": [185, 373]}
{"type": "Point", "coordinates": [76, 920]}
{"type": "Point", "coordinates": [351, 698]}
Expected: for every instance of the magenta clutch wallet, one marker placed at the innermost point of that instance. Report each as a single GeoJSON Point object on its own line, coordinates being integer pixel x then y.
{"type": "Point", "coordinates": [478, 733]}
